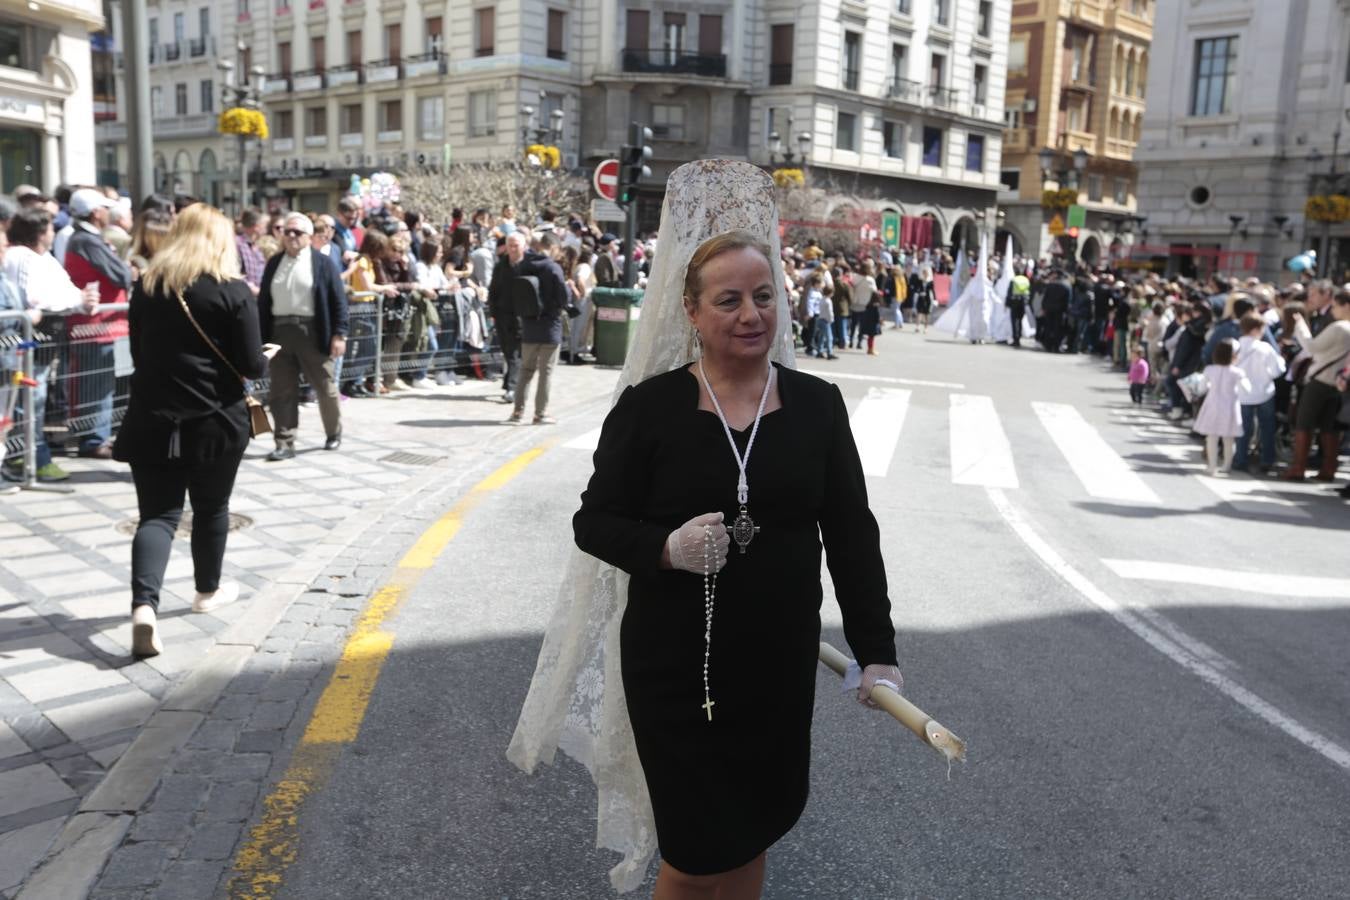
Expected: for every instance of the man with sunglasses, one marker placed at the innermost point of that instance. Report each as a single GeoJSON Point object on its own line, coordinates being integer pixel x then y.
{"type": "Point", "coordinates": [302, 306]}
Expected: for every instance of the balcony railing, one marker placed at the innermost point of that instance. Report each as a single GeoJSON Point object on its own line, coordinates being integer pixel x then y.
{"type": "Point", "coordinates": [429, 63]}
{"type": "Point", "coordinates": [1016, 140]}
{"type": "Point", "coordinates": [173, 52]}
{"type": "Point", "coordinates": [780, 73]}
{"type": "Point", "coordinates": [351, 73]}
{"type": "Point", "coordinates": [851, 79]}
{"type": "Point", "coordinates": [903, 89]}
{"type": "Point", "coordinates": [200, 46]}
{"type": "Point", "coordinates": [279, 83]}
{"type": "Point", "coordinates": [945, 98]}
{"type": "Point", "coordinates": [380, 70]}
{"type": "Point", "coordinates": [675, 62]}
{"type": "Point", "coordinates": [307, 80]}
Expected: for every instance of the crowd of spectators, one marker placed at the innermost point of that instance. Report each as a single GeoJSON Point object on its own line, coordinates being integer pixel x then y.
{"type": "Point", "coordinates": [494, 292]}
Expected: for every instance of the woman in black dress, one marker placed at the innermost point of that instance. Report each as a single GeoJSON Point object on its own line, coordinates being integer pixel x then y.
{"type": "Point", "coordinates": [726, 754]}
{"type": "Point", "coordinates": [186, 424]}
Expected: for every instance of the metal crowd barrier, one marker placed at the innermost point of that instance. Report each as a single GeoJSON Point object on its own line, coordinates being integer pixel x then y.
{"type": "Point", "coordinates": [82, 366]}
{"type": "Point", "coordinates": [27, 358]}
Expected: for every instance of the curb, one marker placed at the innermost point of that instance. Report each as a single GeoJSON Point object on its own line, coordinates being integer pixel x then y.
{"type": "Point", "coordinates": [102, 820]}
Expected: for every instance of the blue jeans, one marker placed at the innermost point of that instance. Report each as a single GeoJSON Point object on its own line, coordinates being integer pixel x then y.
{"type": "Point", "coordinates": [95, 381]}
{"type": "Point", "coordinates": [841, 331]}
{"type": "Point", "coordinates": [1257, 417]}
{"type": "Point", "coordinates": [822, 340]}
{"type": "Point", "coordinates": [424, 358]}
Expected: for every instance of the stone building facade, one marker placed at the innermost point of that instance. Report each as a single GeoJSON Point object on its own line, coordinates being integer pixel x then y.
{"type": "Point", "coordinates": [46, 93]}
{"type": "Point", "coordinates": [1246, 119]}
{"type": "Point", "coordinates": [1077, 74]}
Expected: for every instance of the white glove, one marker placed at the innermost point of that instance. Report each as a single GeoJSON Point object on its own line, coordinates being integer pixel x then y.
{"type": "Point", "coordinates": [862, 681]}
{"type": "Point", "coordinates": [689, 545]}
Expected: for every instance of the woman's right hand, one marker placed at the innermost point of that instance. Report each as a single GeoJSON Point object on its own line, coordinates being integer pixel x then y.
{"type": "Point", "coordinates": [699, 545]}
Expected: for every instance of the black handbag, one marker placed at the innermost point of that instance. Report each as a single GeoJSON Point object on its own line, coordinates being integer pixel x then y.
{"type": "Point", "coordinates": [258, 422]}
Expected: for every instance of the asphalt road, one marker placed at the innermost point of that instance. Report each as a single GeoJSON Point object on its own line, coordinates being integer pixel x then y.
{"type": "Point", "coordinates": [1130, 735]}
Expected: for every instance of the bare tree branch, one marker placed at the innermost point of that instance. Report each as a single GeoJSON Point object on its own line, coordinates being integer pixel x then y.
{"type": "Point", "coordinates": [493, 185]}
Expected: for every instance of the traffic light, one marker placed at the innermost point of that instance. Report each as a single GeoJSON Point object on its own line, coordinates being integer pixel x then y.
{"type": "Point", "coordinates": [633, 158]}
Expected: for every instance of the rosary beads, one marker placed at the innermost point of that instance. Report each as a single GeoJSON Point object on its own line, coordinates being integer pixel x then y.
{"type": "Point", "coordinates": [709, 591]}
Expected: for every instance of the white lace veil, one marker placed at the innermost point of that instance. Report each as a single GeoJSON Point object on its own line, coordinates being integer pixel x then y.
{"type": "Point", "coordinates": [576, 699]}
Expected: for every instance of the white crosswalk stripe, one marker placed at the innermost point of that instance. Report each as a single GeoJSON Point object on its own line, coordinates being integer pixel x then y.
{"type": "Point", "coordinates": [588, 441]}
{"type": "Point", "coordinates": [876, 427]}
{"type": "Point", "coordinates": [1271, 584]}
{"type": "Point", "coordinates": [1099, 468]}
{"type": "Point", "coordinates": [980, 452]}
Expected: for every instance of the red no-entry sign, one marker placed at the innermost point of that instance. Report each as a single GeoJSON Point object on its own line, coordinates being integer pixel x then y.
{"type": "Point", "coordinates": [606, 180]}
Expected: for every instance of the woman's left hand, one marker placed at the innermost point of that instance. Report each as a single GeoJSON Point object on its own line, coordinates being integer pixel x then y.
{"type": "Point", "coordinates": [878, 673]}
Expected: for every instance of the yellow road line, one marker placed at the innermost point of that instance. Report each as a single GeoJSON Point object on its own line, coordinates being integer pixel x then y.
{"type": "Point", "coordinates": [273, 843]}
{"type": "Point", "coordinates": [422, 555]}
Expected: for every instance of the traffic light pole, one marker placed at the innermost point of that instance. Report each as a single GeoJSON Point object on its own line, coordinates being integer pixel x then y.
{"type": "Point", "coordinates": [629, 237]}
{"type": "Point", "coordinates": [633, 158]}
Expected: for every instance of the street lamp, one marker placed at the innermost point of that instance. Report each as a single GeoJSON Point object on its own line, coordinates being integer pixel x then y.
{"type": "Point", "coordinates": [1080, 164]}
{"type": "Point", "coordinates": [1324, 263]}
{"type": "Point", "coordinates": [246, 93]}
{"type": "Point", "coordinates": [538, 131]}
{"type": "Point", "coordinates": [1047, 160]}
{"type": "Point", "coordinates": [781, 152]}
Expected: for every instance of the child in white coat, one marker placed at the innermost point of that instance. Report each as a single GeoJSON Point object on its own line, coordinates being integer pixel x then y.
{"type": "Point", "coordinates": [1220, 416]}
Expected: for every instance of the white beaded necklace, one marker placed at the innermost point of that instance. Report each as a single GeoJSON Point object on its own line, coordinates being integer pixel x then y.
{"type": "Point", "coordinates": [744, 528]}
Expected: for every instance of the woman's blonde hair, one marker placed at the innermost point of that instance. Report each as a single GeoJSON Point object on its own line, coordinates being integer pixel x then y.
{"type": "Point", "coordinates": [149, 234]}
{"type": "Point", "coordinates": [716, 246]}
{"type": "Point", "coordinates": [201, 242]}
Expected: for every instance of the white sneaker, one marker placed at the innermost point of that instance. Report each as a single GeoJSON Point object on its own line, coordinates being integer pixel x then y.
{"type": "Point", "coordinates": [225, 594]}
{"type": "Point", "coordinates": [424, 384]}
{"type": "Point", "coordinates": [145, 632]}
{"type": "Point", "coordinates": [399, 385]}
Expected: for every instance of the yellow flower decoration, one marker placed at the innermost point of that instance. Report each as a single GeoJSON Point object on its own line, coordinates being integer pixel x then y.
{"type": "Point", "coordinates": [1327, 208]}
{"type": "Point", "coordinates": [240, 120]}
{"type": "Point", "coordinates": [1060, 199]}
{"type": "Point", "coordinates": [789, 177]}
{"type": "Point", "coordinates": [548, 156]}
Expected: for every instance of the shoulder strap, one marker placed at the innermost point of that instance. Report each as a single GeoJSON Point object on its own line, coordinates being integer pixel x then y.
{"type": "Point", "coordinates": [210, 343]}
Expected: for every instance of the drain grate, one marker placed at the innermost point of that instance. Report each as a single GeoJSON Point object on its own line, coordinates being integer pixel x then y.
{"type": "Point", "coordinates": [237, 523]}
{"type": "Point", "coordinates": [411, 459]}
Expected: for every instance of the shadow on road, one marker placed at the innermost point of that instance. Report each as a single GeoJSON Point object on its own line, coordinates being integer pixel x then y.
{"type": "Point", "coordinates": [1097, 769]}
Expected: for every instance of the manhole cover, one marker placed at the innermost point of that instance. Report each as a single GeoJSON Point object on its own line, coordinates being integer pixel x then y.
{"type": "Point", "coordinates": [411, 459]}
{"type": "Point", "coordinates": [237, 522]}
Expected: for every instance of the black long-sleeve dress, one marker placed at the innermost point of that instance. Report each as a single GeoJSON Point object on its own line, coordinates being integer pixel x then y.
{"type": "Point", "coordinates": [724, 791]}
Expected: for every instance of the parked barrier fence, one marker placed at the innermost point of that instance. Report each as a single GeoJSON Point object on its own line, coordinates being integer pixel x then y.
{"type": "Point", "coordinates": [74, 370]}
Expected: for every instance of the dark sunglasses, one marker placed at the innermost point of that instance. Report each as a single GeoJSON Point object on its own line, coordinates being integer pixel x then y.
{"type": "Point", "coordinates": [295, 232]}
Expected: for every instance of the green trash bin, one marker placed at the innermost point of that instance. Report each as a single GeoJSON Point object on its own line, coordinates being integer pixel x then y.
{"type": "Point", "coordinates": [616, 318]}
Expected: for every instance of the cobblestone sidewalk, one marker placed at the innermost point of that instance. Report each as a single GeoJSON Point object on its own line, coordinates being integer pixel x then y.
{"type": "Point", "coordinates": [71, 699]}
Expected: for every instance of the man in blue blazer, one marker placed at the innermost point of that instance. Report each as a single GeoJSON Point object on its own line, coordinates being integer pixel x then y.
{"type": "Point", "coordinates": [302, 306]}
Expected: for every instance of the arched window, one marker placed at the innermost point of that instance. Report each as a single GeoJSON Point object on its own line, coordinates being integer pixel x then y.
{"type": "Point", "coordinates": [1113, 125]}
{"type": "Point", "coordinates": [1143, 72]}
{"type": "Point", "coordinates": [1118, 70]}
{"type": "Point", "coordinates": [1138, 126]}
{"type": "Point", "coordinates": [1130, 62]}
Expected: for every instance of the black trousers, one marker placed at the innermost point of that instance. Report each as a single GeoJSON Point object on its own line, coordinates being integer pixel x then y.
{"type": "Point", "coordinates": [511, 346]}
{"type": "Point", "coordinates": [159, 495]}
{"type": "Point", "coordinates": [1016, 312]}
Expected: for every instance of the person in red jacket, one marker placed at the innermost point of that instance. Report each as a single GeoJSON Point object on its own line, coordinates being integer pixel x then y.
{"type": "Point", "coordinates": [90, 260]}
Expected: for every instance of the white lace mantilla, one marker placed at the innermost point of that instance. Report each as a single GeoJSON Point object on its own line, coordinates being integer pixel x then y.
{"type": "Point", "coordinates": [576, 700]}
